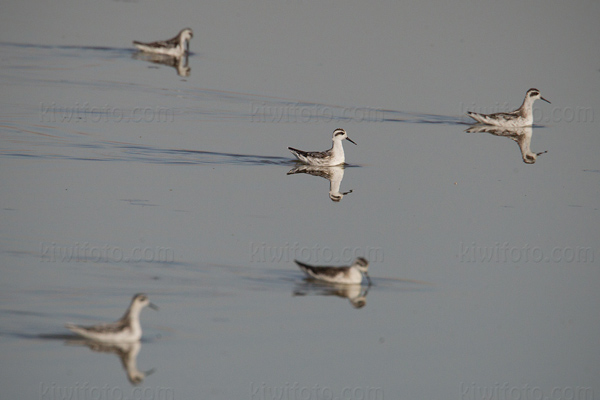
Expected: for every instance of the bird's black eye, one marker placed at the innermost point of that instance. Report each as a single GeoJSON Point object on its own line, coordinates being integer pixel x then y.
{"type": "Point", "coordinates": [532, 94]}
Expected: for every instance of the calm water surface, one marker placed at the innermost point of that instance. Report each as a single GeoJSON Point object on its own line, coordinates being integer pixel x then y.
{"type": "Point", "coordinates": [122, 175]}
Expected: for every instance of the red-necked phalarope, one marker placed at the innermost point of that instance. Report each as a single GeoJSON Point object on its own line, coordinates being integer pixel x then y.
{"type": "Point", "coordinates": [126, 329]}
{"type": "Point", "coordinates": [351, 275]}
{"type": "Point", "coordinates": [523, 116]}
{"type": "Point", "coordinates": [173, 47]}
{"type": "Point", "coordinates": [333, 156]}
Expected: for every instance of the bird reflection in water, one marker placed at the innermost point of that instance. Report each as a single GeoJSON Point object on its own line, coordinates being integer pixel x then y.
{"type": "Point", "coordinates": [180, 63]}
{"type": "Point", "coordinates": [356, 294]}
{"type": "Point", "coordinates": [127, 353]}
{"type": "Point", "coordinates": [520, 135]}
{"type": "Point", "coordinates": [333, 174]}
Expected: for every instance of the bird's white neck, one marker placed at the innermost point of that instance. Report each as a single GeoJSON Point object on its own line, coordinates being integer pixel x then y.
{"type": "Point", "coordinates": [337, 152]}
{"type": "Point", "coordinates": [133, 315]}
{"type": "Point", "coordinates": [527, 107]}
{"type": "Point", "coordinates": [337, 146]}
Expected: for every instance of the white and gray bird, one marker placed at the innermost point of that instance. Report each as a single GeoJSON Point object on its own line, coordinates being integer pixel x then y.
{"type": "Point", "coordinates": [523, 116]}
{"type": "Point", "coordinates": [333, 156]}
{"type": "Point", "coordinates": [349, 275]}
{"type": "Point", "coordinates": [126, 329]}
{"type": "Point", "coordinates": [175, 47]}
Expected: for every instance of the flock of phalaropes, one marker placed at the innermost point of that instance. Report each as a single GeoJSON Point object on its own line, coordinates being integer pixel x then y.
{"type": "Point", "coordinates": [128, 328]}
{"type": "Point", "coordinates": [521, 117]}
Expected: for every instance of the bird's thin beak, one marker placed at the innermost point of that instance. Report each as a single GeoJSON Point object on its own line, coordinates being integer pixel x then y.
{"type": "Point", "coordinates": [153, 306]}
{"type": "Point", "coordinates": [545, 100]}
{"type": "Point", "coordinates": [350, 140]}
{"type": "Point", "coordinates": [543, 152]}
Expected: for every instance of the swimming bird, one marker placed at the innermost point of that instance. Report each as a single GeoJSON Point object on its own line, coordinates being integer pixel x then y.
{"type": "Point", "coordinates": [333, 156]}
{"type": "Point", "coordinates": [173, 47]}
{"type": "Point", "coordinates": [523, 116]}
{"type": "Point", "coordinates": [126, 329]}
{"type": "Point", "coordinates": [352, 274]}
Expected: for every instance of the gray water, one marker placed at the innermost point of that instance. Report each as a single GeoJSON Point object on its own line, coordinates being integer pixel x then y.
{"type": "Point", "coordinates": [120, 176]}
